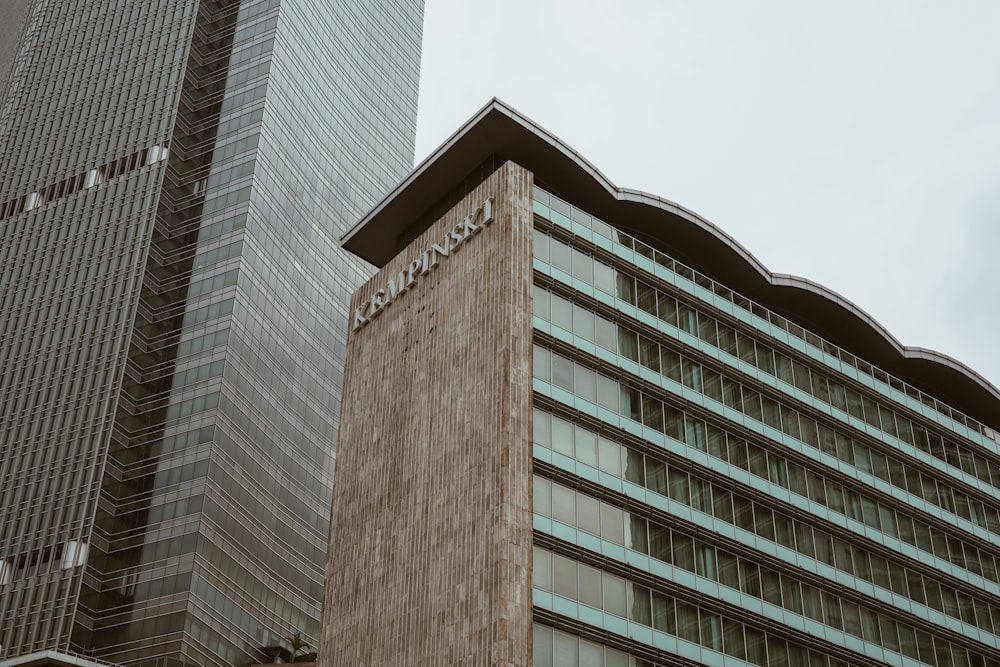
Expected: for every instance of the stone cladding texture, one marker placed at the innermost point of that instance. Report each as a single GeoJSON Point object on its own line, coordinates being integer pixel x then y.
{"type": "Point", "coordinates": [430, 549]}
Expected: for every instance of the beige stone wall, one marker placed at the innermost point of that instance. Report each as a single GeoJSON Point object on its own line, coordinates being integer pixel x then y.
{"type": "Point", "coordinates": [430, 551]}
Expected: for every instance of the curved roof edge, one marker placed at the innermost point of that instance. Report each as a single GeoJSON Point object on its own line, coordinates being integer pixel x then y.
{"type": "Point", "coordinates": [500, 130]}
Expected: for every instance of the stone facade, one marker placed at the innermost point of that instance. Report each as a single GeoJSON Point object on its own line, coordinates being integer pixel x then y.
{"type": "Point", "coordinates": [430, 549]}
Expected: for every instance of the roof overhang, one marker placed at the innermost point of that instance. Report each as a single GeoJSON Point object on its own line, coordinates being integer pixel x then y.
{"type": "Point", "coordinates": [498, 130]}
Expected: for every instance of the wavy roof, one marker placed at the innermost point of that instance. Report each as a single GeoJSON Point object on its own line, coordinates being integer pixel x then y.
{"type": "Point", "coordinates": [500, 131]}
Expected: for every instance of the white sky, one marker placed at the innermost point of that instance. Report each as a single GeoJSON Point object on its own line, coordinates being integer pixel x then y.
{"type": "Point", "coordinates": [855, 143]}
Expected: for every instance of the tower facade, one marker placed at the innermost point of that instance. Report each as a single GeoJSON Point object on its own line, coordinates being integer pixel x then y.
{"type": "Point", "coordinates": [694, 462]}
{"type": "Point", "coordinates": [173, 180]}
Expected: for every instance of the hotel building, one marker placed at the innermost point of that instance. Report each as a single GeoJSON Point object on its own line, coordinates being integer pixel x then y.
{"type": "Point", "coordinates": [581, 425]}
{"type": "Point", "coordinates": [174, 177]}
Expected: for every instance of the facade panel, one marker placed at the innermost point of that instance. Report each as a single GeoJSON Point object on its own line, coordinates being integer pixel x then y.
{"type": "Point", "coordinates": [432, 483]}
{"type": "Point", "coordinates": [753, 479]}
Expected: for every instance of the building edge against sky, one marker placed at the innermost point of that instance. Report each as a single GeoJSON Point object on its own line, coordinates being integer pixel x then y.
{"type": "Point", "coordinates": [173, 180]}
{"type": "Point", "coordinates": [723, 461]}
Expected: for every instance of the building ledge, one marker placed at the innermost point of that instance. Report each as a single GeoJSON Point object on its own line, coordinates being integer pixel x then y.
{"type": "Point", "coordinates": [51, 659]}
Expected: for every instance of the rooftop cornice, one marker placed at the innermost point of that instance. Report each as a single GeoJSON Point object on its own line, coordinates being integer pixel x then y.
{"type": "Point", "coordinates": [500, 130]}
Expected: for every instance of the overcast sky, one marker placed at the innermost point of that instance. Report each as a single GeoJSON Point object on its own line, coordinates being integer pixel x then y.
{"type": "Point", "coordinates": [855, 143]}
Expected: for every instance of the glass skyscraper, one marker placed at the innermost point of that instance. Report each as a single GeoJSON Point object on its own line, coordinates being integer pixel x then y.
{"type": "Point", "coordinates": [173, 180]}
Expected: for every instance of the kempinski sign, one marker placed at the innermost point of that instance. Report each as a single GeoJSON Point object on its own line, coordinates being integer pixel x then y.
{"type": "Point", "coordinates": [424, 263]}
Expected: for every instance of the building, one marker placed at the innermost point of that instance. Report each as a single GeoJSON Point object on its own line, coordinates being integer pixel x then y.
{"type": "Point", "coordinates": [583, 426]}
{"type": "Point", "coordinates": [174, 177]}
{"type": "Point", "coordinates": [15, 11]}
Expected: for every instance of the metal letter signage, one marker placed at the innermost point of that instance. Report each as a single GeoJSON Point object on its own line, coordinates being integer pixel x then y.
{"type": "Point", "coordinates": [423, 264]}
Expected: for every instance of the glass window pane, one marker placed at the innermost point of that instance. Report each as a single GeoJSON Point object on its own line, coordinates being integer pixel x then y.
{"type": "Point", "coordinates": [583, 323]}
{"type": "Point", "coordinates": [564, 576]}
{"type": "Point", "coordinates": [541, 573]}
{"type": "Point", "coordinates": [711, 630]}
{"type": "Point", "coordinates": [634, 467]}
{"type": "Point", "coordinates": [745, 346]}
{"type": "Point", "coordinates": [652, 413]}
{"type": "Point", "coordinates": [687, 622]}
{"type": "Point", "coordinates": [656, 476]}
{"type": "Point", "coordinates": [607, 393]}
{"type": "Point", "coordinates": [802, 377]}
{"type": "Point", "coordinates": [560, 255]}
{"type": "Point", "coordinates": [664, 614]}
{"type": "Point", "coordinates": [733, 637]}
{"type": "Point", "coordinates": [611, 457]}
{"type": "Point", "coordinates": [701, 495]}
{"type": "Point", "coordinates": [783, 368]}
{"type": "Point", "coordinates": [649, 354]}
{"type": "Point", "coordinates": [756, 647]}
{"type": "Point", "coordinates": [670, 364]}
{"type": "Point", "coordinates": [751, 404]}
{"type": "Point", "coordinates": [583, 267]}
{"type": "Point", "coordinates": [687, 319]}
{"type": "Point", "coordinates": [637, 537]}
{"type": "Point", "coordinates": [604, 278]}
{"type": "Point", "coordinates": [541, 638]}
{"type": "Point", "coordinates": [540, 363]}
{"type": "Point", "coordinates": [562, 372]}
{"type": "Point", "coordinates": [763, 521]}
{"type": "Point", "coordinates": [628, 344]}
{"type": "Point", "coordinates": [852, 618]}
{"type": "Point", "coordinates": [607, 335]}
{"type": "Point", "coordinates": [590, 585]}
{"type": "Point", "coordinates": [640, 609]}
{"type": "Point", "coordinates": [646, 298]}
{"type": "Point", "coordinates": [565, 649]}
{"type": "Point", "coordinates": [659, 543]}
{"type": "Point", "coordinates": [729, 573]}
{"type": "Point", "coordinates": [707, 331]}
{"type": "Point", "coordinates": [765, 359]}
{"type": "Point", "coordinates": [586, 446]}
{"type": "Point", "coordinates": [585, 384]}
{"type": "Point", "coordinates": [612, 524]}
{"type": "Point", "coordinates": [673, 423]}
{"type": "Point", "coordinates": [727, 339]}
{"type": "Point", "coordinates": [541, 302]}
{"type": "Point", "coordinates": [667, 308]}
{"type": "Point", "coordinates": [591, 654]}
{"type": "Point", "coordinates": [561, 312]}
{"type": "Point", "coordinates": [679, 486]}
{"type": "Point", "coordinates": [564, 504]}
{"type": "Point", "coordinates": [562, 437]}
{"type": "Point", "coordinates": [541, 246]}
{"type": "Point", "coordinates": [615, 600]}
{"type": "Point", "coordinates": [542, 496]}
{"type": "Point", "coordinates": [613, 658]}
{"type": "Point", "coordinates": [630, 406]}
{"type": "Point", "coordinates": [540, 427]}
{"type": "Point", "coordinates": [696, 435]}
{"type": "Point", "coordinates": [907, 641]}
{"type": "Point", "coordinates": [722, 506]}
{"type": "Point", "coordinates": [831, 611]}
{"type": "Point", "coordinates": [777, 652]}
{"type": "Point", "coordinates": [712, 382]}
{"type": "Point", "coordinates": [625, 287]}
{"type": "Point", "coordinates": [770, 586]}
{"type": "Point", "coordinates": [588, 514]}
{"type": "Point", "coordinates": [791, 595]}
{"type": "Point", "coordinates": [692, 374]}
{"type": "Point", "coordinates": [683, 548]}
{"type": "Point", "coordinates": [705, 561]}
